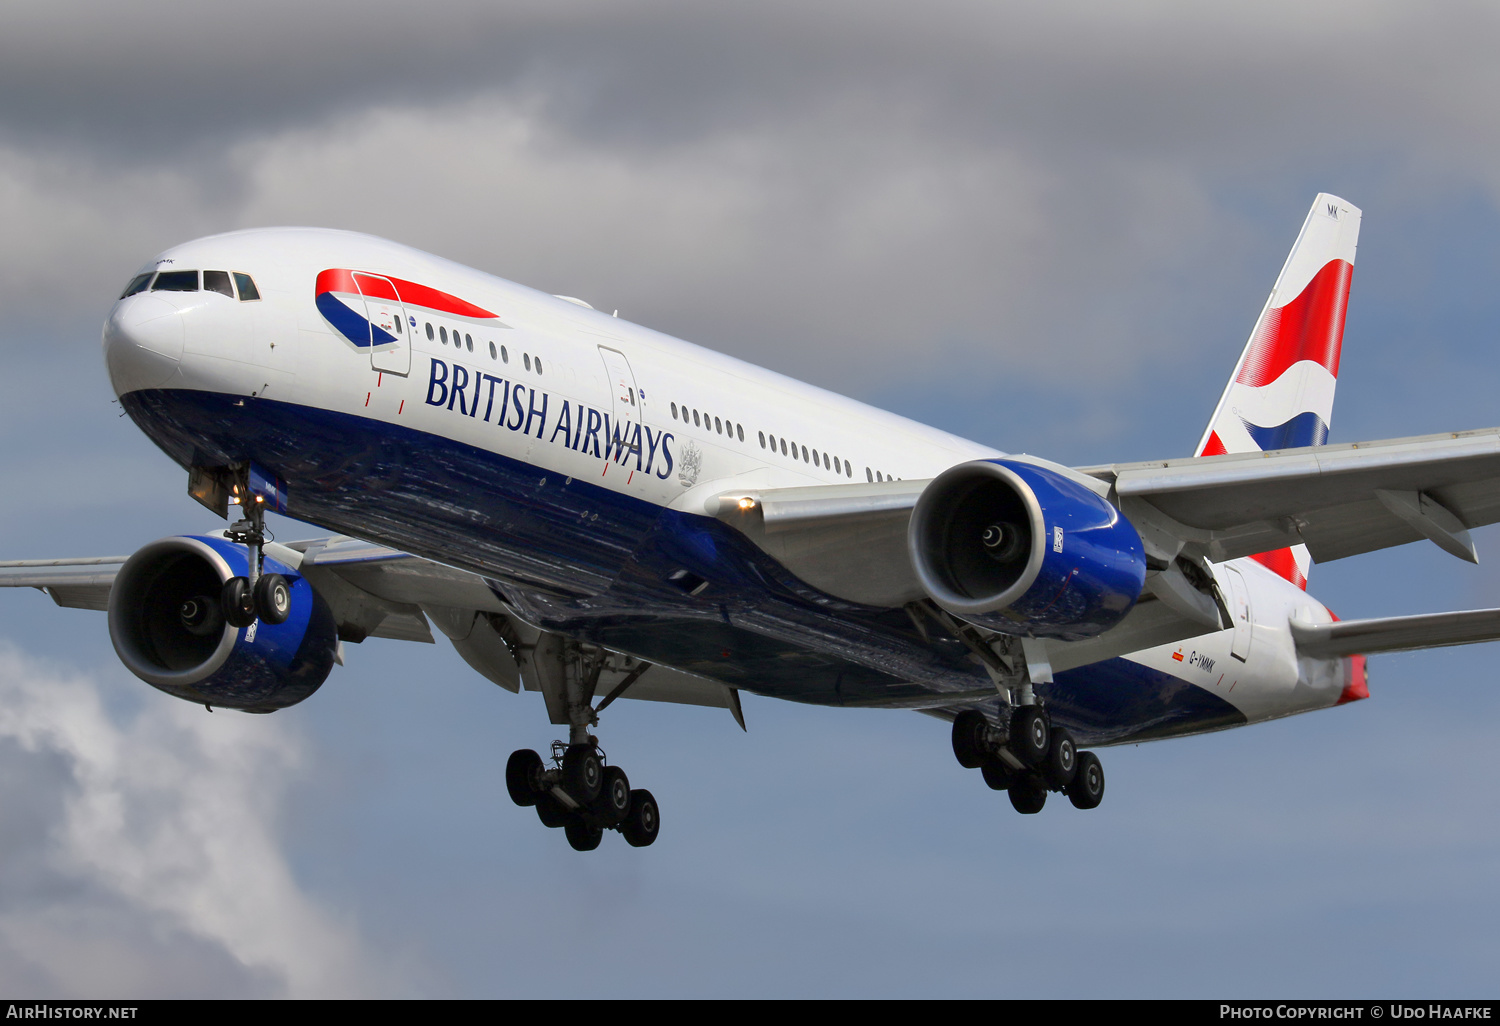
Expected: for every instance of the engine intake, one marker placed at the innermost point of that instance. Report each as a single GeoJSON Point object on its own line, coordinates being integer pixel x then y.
{"type": "Point", "coordinates": [167, 628]}
{"type": "Point", "coordinates": [1025, 550]}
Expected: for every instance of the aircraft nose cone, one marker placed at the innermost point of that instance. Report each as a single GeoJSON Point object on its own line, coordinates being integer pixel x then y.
{"type": "Point", "coordinates": [143, 341]}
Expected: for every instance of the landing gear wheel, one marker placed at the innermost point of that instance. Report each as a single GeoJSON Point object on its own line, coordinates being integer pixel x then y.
{"type": "Point", "coordinates": [582, 836]}
{"type": "Point", "coordinates": [613, 804]}
{"type": "Point", "coordinates": [552, 812]}
{"type": "Point", "coordinates": [997, 774]}
{"type": "Point", "coordinates": [237, 602]}
{"type": "Point", "coordinates": [971, 733]}
{"type": "Point", "coordinates": [644, 822]}
{"type": "Point", "coordinates": [273, 598]}
{"type": "Point", "coordinates": [1087, 789]}
{"type": "Point", "coordinates": [1029, 735]}
{"type": "Point", "coordinates": [523, 776]}
{"type": "Point", "coordinates": [1061, 764]}
{"type": "Point", "coordinates": [1028, 796]}
{"type": "Point", "coordinates": [583, 773]}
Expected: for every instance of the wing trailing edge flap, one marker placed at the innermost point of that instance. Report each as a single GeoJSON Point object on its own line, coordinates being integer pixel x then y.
{"type": "Point", "coordinates": [1395, 633]}
{"type": "Point", "coordinates": [1338, 500]}
{"type": "Point", "coordinates": [498, 647]}
{"type": "Point", "coordinates": [72, 583]}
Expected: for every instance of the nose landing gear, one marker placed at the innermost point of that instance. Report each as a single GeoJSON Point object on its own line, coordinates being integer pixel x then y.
{"type": "Point", "coordinates": [1028, 758]}
{"type": "Point", "coordinates": [256, 596]}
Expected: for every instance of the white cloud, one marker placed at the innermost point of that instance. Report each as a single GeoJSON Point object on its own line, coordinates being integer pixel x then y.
{"type": "Point", "coordinates": [142, 855]}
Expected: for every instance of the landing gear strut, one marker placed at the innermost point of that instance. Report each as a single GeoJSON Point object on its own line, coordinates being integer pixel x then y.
{"type": "Point", "coordinates": [579, 792]}
{"type": "Point", "coordinates": [267, 597]}
{"type": "Point", "coordinates": [1028, 757]}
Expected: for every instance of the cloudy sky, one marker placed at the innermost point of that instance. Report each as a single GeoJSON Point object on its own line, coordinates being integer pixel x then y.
{"type": "Point", "coordinates": [1046, 229]}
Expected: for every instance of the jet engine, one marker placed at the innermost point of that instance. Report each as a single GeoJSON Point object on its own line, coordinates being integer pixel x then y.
{"type": "Point", "coordinates": [168, 629]}
{"type": "Point", "coordinates": [1025, 550]}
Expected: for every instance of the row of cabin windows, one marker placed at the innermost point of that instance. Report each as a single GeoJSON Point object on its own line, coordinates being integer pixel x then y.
{"type": "Point", "coordinates": [788, 448]}
{"type": "Point", "coordinates": [222, 282]}
{"type": "Point", "coordinates": [782, 445]}
{"type": "Point", "coordinates": [467, 342]}
{"type": "Point", "coordinates": [703, 420]}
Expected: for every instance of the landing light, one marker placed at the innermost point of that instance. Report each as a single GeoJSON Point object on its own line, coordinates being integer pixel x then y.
{"type": "Point", "coordinates": [747, 503]}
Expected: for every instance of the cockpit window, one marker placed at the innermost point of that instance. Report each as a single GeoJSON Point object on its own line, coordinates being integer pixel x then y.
{"type": "Point", "coordinates": [247, 287]}
{"type": "Point", "coordinates": [218, 281]}
{"type": "Point", "coordinates": [176, 281]}
{"type": "Point", "coordinates": [137, 284]}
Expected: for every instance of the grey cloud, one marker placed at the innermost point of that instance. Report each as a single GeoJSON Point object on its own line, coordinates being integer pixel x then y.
{"type": "Point", "coordinates": [141, 857]}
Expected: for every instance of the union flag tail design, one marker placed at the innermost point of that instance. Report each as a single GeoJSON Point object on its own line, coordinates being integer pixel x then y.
{"type": "Point", "coordinates": [1281, 394]}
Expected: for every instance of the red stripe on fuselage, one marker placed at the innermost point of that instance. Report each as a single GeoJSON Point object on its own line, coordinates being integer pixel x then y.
{"type": "Point", "coordinates": [1310, 327]}
{"type": "Point", "coordinates": [338, 279]}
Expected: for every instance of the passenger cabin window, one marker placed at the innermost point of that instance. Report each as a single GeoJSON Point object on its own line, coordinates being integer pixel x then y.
{"type": "Point", "coordinates": [492, 350]}
{"type": "Point", "coordinates": [539, 370]}
{"type": "Point", "coordinates": [176, 281]}
{"type": "Point", "coordinates": [527, 356]}
{"type": "Point", "coordinates": [218, 281]}
{"type": "Point", "coordinates": [696, 422]}
{"type": "Point", "coordinates": [137, 284]}
{"type": "Point", "coordinates": [468, 342]}
{"type": "Point", "coordinates": [248, 291]}
{"type": "Point", "coordinates": [443, 332]}
{"type": "Point", "coordinates": [674, 411]}
{"type": "Point", "coordinates": [504, 355]}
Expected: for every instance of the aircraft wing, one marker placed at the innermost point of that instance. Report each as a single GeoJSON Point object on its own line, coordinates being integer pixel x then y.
{"type": "Point", "coordinates": [1338, 500]}
{"type": "Point", "coordinates": [1395, 633]}
{"type": "Point", "coordinates": [379, 592]}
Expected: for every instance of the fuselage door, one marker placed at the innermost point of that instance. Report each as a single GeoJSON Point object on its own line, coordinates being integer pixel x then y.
{"type": "Point", "coordinates": [627, 403]}
{"type": "Point", "coordinates": [1239, 610]}
{"type": "Point", "coordinates": [390, 331]}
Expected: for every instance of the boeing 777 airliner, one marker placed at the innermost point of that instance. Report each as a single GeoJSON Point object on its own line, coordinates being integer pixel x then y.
{"type": "Point", "coordinates": [592, 510]}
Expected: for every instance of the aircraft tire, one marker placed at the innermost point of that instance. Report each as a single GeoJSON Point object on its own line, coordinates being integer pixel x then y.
{"type": "Point", "coordinates": [553, 813]}
{"type": "Point", "coordinates": [970, 736]}
{"type": "Point", "coordinates": [237, 602]}
{"type": "Point", "coordinates": [644, 822]}
{"type": "Point", "coordinates": [273, 598]}
{"type": "Point", "coordinates": [1087, 789]}
{"type": "Point", "coordinates": [582, 836]}
{"type": "Point", "coordinates": [997, 774]}
{"type": "Point", "coordinates": [523, 776]}
{"type": "Point", "coordinates": [1030, 737]}
{"type": "Point", "coordinates": [613, 803]}
{"type": "Point", "coordinates": [583, 773]}
{"type": "Point", "coordinates": [1028, 795]}
{"type": "Point", "coordinates": [1061, 764]}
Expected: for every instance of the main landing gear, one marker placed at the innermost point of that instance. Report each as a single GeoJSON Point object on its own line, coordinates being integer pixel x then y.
{"type": "Point", "coordinates": [1028, 759]}
{"type": "Point", "coordinates": [582, 795]}
{"type": "Point", "coordinates": [579, 791]}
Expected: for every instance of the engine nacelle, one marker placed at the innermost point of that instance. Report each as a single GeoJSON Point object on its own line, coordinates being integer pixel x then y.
{"type": "Point", "coordinates": [167, 628]}
{"type": "Point", "coordinates": [1025, 550]}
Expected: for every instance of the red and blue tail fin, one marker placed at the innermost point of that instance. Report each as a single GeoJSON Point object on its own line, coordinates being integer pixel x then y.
{"type": "Point", "coordinates": [1281, 394]}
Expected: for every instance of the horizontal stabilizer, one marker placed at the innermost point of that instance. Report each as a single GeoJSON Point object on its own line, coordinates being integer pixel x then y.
{"type": "Point", "coordinates": [1395, 633]}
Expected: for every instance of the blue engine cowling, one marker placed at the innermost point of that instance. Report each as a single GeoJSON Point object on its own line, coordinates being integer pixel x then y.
{"type": "Point", "coordinates": [258, 669]}
{"type": "Point", "coordinates": [1025, 550]}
